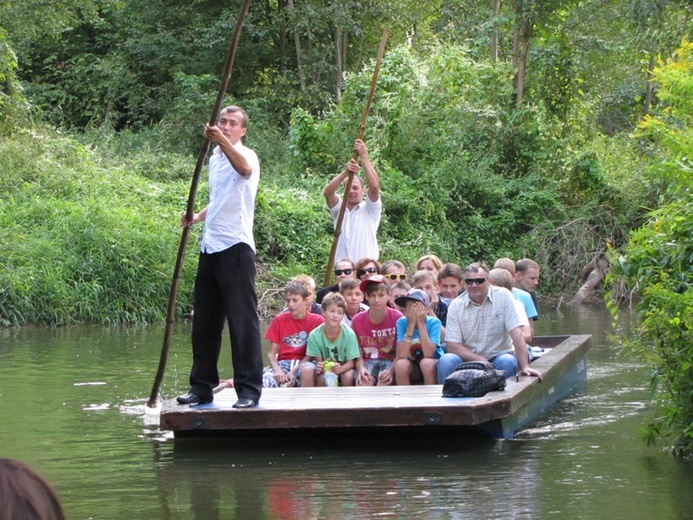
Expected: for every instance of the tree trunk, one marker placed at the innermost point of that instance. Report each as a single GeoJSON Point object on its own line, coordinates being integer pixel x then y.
{"type": "Point", "coordinates": [309, 50]}
{"type": "Point", "coordinates": [516, 39]}
{"type": "Point", "coordinates": [494, 34]}
{"type": "Point", "coordinates": [523, 35]}
{"type": "Point", "coordinates": [339, 61]}
{"type": "Point", "coordinates": [299, 60]}
{"type": "Point", "coordinates": [521, 70]}
{"type": "Point", "coordinates": [649, 88]}
{"type": "Point", "coordinates": [595, 271]}
{"type": "Point", "coordinates": [283, 40]}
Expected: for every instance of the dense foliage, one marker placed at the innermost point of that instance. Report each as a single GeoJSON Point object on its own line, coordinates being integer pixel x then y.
{"type": "Point", "coordinates": [498, 129]}
{"type": "Point", "coordinates": [658, 259]}
{"type": "Point", "coordinates": [83, 240]}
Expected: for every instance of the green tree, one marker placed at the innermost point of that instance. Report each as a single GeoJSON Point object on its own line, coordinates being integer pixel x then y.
{"type": "Point", "coordinates": [658, 259]}
{"type": "Point", "coordinates": [12, 103]}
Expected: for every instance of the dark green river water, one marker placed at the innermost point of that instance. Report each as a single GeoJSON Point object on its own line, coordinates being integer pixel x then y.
{"type": "Point", "coordinates": [72, 405]}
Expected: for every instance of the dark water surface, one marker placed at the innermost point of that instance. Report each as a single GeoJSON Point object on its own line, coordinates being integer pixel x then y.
{"type": "Point", "coordinates": [72, 405]}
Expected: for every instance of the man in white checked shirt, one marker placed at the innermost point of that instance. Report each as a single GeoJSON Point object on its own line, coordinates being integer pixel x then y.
{"type": "Point", "coordinates": [482, 325]}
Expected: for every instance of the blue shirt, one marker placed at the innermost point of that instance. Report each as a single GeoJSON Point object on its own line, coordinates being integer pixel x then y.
{"type": "Point", "coordinates": [433, 327]}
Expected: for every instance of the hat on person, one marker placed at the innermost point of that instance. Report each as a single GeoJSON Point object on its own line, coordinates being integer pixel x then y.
{"type": "Point", "coordinates": [415, 295]}
{"type": "Point", "coordinates": [376, 278]}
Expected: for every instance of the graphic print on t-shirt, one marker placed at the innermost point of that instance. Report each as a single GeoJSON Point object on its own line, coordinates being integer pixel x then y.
{"type": "Point", "coordinates": [298, 340]}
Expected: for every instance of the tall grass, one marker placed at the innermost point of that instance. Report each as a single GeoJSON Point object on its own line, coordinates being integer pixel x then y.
{"type": "Point", "coordinates": [82, 242]}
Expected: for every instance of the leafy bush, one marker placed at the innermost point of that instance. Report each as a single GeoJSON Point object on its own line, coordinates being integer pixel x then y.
{"type": "Point", "coordinates": [658, 261]}
{"type": "Point", "coordinates": [464, 174]}
{"type": "Point", "coordinates": [13, 106]}
{"type": "Point", "coordinates": [85, 244]}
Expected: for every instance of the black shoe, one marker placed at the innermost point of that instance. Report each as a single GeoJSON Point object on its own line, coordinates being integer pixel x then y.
{"type": "Point", "coordinates": [192, 398]}
{"type": "Point", "coordinates": [245, 402]}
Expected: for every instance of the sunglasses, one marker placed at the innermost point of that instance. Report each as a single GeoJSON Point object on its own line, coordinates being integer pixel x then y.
{"type": "Point", "coordinates": [475, 281]}
{"type": "Point", "coordinates": [371, 270]}
{"type": "Point", "coordinates": [340, 272]}
{"type": "Point", "coordinates": [394, 277]}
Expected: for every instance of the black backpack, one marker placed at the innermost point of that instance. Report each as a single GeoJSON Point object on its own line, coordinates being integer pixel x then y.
{"type": "Point", "coordinates": [473, 379]}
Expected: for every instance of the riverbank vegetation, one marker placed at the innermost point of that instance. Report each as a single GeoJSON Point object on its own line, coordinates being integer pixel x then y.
{"type": "Point", "coordinates": [527, 128]}
{"type": "Point", "coordinates": [658, 259]}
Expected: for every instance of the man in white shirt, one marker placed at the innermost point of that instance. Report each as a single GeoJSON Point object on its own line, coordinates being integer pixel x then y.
{"type": "Point", "coordinates": [482, 325]}
{"type": "Point", "coordinates": [362, 216]}
{"type": "Point", "coordinates": [225, 281]}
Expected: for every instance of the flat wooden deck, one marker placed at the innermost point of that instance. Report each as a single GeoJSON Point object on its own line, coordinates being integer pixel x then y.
{"type": "Point", "coordinates": [421, 406]}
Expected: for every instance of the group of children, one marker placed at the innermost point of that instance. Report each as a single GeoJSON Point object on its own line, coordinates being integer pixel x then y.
{"type": "Point", "coordinates": [371, 328]}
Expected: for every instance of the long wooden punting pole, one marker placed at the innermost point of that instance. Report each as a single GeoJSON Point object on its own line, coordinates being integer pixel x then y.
{"type": "Point", "coordinates": [362, 130]}
{"type": "Point", "coordinates": [170, 315]}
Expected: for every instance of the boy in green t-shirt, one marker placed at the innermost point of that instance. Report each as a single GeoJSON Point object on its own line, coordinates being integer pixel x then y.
{"type": "Point", "coordinates": [333, 341]}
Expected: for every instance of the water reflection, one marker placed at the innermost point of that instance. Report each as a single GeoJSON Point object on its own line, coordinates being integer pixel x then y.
{"type": "Point", "coordinates": [72, 403]}
{"type": "Point", "coordinates": [488, 478]}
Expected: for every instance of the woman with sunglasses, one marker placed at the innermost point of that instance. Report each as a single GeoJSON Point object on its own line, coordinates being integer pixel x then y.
{"type": "Point", "coordinates": [394, 271]}
{"type": "Point", "coordinates": [343, 270]}
{"type": "Point", "coordinates": [367, 267]}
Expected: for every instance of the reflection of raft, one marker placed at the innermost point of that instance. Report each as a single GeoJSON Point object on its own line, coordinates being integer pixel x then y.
{"type": "Point", "coordinates": [316, 412]}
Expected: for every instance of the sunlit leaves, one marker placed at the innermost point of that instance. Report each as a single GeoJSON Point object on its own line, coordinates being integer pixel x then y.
{"type": "Point", "coordinates": [659, 259]}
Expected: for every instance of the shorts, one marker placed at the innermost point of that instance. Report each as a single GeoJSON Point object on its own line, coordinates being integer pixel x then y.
{"type": "Point", "coordinates": [375, 366]}
{"type": "Point", "coordinates": [268, 380]}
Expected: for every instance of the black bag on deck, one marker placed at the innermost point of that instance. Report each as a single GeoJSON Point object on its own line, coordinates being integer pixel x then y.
{"type": "Point", "coordinates": [473, 379]}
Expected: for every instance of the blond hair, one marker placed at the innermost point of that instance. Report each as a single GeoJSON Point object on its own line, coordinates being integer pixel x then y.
{"type": "Point", "coordinates": [501, 277]}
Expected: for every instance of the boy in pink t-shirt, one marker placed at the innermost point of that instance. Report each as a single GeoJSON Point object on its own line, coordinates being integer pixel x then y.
{"type": "Point", "coordinates": [288, 335]}
{"type": "Point", "coordinates": [377, 334]}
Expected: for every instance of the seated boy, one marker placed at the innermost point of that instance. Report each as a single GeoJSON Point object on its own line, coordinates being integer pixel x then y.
{"type": "Point", "coordinates": [418, 341]}
{"type": "Point", "coordinates": [376, 332]}
{"type": "Point", "coordinates": [394, 271]}
{"type": "Point", "coordinates": [353, 295]}
{"type": "Point", "coordinates": [288, 335]}
{"type": "Point", "coordinates": [309, 282]}
{"type": "Point", "coordinates": [520, 294]}
{"type": "Point", "coordinates": [398, 289]}
{"type": "Point", "coordinates": [426, 281]}
{"type": "Point", "coordinates": [450, 283]}
{"type": "Point", "coordinates": [332, 341]}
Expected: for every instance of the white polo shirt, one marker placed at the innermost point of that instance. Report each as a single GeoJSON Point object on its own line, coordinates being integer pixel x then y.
{"type": "Point", "coordinates": [359, 228]}
{"type": "Point", "coordinates": [231, 208]}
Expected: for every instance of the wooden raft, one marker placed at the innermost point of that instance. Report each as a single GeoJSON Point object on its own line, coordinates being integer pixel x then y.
{"type": "Point", "coordinates": [326, 410]}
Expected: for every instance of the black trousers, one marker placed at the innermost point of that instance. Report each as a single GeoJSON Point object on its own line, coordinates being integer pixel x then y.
{"type": "Point", "coordinates": [225, 289]}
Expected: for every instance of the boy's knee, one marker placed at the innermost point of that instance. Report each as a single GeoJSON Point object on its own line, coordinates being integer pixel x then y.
{"type": "Point", "coordinates": [427, 366]}
{"type": "Point", "coordinates": [402, 365]}
{"type": "Point", "coordinates": [347, 378]}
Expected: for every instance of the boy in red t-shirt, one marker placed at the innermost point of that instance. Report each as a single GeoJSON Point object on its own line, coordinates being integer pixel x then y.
{"type": "Point", "coordinates": [377, 334]}
{"type": "Point", "coordinates": [288, 335]}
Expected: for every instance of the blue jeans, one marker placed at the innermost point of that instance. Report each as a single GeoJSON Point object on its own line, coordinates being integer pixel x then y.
{"type": "Point", "coordinates": [503, 361]}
